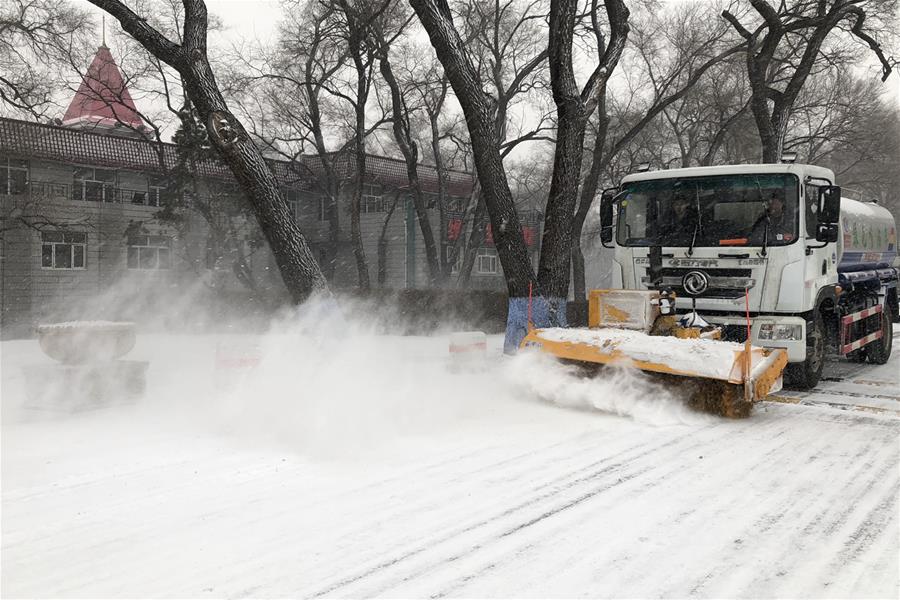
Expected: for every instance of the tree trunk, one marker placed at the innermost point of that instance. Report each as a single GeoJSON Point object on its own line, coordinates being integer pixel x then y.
{"type": "Point", "coordinates": [383, 242]}
{"type": "Point", "coordinates": [359, 252]}
{"type": "Point", "coordinates": [359, 142]}
{"type": "Point", "coordinates": [473, 243]}
{"type": "Point", "coordinates": [410, 151]}
{"type": "Point", "coordinates": [588, 194]}
{"type": "Point", "coordinates": [479, 109]}
{"type": "Point", "coordinates": [298, 267]}
{"type": "Point", "coordinates": [556, 243]}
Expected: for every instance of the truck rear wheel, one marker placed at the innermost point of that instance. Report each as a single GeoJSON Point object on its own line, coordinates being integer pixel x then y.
{"type": "Point", "coordinates": [879, 351]}
{"type": "Point", "coordinates": [806, 375]}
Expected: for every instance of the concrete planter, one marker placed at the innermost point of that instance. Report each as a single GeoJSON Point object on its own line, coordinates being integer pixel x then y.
{"type": "Point", "coordinates": [86, 342]}
{"type": "Point", "coordinates": [91, 374]}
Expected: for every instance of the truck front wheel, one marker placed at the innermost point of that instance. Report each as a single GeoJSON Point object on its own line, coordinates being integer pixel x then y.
{"type": "Point", "coordinates": [806, 375]}
{"type": "Point", "coordinates": [879, 351]}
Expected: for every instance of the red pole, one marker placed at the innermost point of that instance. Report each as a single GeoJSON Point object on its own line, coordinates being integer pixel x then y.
{"type": "Point", "coordinates": [747, 343]}
{"type": "Point", "coordinates": [747, 305]}
{"type": "Point", "coordinates": [530, 286]}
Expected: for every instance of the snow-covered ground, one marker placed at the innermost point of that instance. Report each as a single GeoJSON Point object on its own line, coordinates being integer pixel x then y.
{"type": "Point", "coordinates": [349, 464]}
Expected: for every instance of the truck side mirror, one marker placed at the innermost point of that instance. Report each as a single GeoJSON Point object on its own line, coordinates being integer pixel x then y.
{"type": "Point", "coordinates": [829, 204]}
{"type": "Point", "coordinates": [827, 232]}
{"type": "Point", "coordinates": [606, 215]}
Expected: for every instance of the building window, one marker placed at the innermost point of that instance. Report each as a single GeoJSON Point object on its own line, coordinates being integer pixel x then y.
{"type": "Point", "coordinates": [456, 265]}
{"type": "Point", "coordinates": [149, 252]}
{"type": "Point", "coordinates": [293, 199]}
{"type": "Point", "coordinates": [487, 263]}
{"type": "Point", "coordinates": [157, 192]}
{"type": "Point", "coordinates": [94, 185]}
{"type": "Point", "coordinates": [13, 175]}
{"type": "Point", "coordinates": [372, 201]}
{"type": "Point", "coordinates": [63, 249]}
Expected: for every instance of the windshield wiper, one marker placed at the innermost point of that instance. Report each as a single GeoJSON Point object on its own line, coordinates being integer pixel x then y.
{"type": "Point", "coordinates": [690, 251]}
{"type": "Point", "coordinates": [766, 232]}
{"type": "Point", "coordinates": [765, 243]}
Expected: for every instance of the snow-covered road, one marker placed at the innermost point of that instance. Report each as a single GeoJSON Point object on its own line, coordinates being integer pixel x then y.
{"type": "Point", "coordinates": [378, 473]}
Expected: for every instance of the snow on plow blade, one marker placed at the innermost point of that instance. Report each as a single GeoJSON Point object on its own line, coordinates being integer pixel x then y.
{"type": "Point", "coordinates": [717, 375]}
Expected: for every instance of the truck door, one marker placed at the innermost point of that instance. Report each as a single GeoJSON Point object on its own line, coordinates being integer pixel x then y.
{"type": "Point", "coordinates": [821, 263]}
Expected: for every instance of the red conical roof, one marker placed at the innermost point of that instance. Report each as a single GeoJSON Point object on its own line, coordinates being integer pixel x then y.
{"type": "Point", "coordinates": [102, 99]}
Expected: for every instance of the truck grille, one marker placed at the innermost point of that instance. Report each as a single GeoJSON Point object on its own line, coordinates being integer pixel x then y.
{"type": "Point", "coordinates": [723, 283]}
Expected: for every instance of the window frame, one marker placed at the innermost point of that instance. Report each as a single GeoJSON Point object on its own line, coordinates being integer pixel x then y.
{"type": "Point", "coordinates": [371, 203]}
{"type": "Point", "coordinates": [292, 196]}
{"type": "Point", "coordinates": [7, 167]}
{"type": "Point", "coordinates": [110, 186]}
{"type": "Point", "coordinates": [491, 258]}
{"type": "Point", "coordinates": [148, 248]}
{"type": "Point", "coordinates": [56, 246]}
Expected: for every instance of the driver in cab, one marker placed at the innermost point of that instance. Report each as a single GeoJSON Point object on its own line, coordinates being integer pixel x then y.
{"type": "Point", "coordinates": [679, 230]}
{"type": "Point", "coordinates": [775, 225]}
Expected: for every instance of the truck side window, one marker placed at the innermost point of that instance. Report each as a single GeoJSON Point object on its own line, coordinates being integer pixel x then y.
{"type": "Point", "coordinates": [812, 209]}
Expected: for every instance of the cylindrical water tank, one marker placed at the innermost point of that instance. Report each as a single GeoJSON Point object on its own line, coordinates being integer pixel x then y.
{"type": "Point", "coordinates": [869, 237]}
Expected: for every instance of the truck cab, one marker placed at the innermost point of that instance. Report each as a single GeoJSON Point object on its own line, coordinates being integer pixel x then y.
{"type": "Point", "coordinates": [765, 240]}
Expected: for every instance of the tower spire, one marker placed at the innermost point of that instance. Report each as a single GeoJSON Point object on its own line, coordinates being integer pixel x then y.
{"type": "Point", "coordinates": [104, 30]}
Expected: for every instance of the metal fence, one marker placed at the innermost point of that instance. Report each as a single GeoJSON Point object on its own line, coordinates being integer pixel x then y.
{"type": "Point", "coordinates": [92, 191]}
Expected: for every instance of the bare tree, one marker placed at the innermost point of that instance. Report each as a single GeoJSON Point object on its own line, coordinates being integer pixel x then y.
{"type": "Point", "coordinates": [682, 66]}
{"type": "Point", "coordinates": [405, 139]}
{"type": "Point", "coordinates": [35, 39]}
{"type": "Point", "coordinates": [574, 108]}
{"type": "Point", "coordinates": [298, 268]}
{"type": "Point", "coordinates": [480, 109]}
{"type": "Point", "coordinates": [786, 45]}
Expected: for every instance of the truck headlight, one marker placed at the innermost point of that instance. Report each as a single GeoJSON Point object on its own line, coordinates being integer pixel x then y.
{"type": "Point", "coordinates": [774, 331]}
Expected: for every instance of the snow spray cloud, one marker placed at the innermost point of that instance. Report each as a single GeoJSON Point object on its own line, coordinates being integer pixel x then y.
{"type": "Point", "coordinates": [329, 382]}
{"type": "Point", "coordinates": [624, 392]}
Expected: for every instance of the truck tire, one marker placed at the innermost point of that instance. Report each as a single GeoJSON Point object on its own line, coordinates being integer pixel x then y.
{"type": "Point", "coordinates": [879, 351]}
{"type": "Point", "coordinates": [806, 375]}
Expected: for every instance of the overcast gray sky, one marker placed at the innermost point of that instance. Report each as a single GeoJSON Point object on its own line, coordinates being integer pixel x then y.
{"type": "Point", "coordinates": [250, 19]}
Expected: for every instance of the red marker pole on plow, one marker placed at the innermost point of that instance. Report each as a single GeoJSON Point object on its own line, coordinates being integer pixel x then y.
{"type": "Point", "coordinates": [747, 358]}
{"type": "Point", "coordinates": [530, 291]}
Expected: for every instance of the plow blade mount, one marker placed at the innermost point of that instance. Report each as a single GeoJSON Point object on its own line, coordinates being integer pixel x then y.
{"type": "Point", "coordinates": [724, 378]}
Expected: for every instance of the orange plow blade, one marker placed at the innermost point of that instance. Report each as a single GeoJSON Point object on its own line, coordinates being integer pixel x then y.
{"type": "Point", "coordinates": [717, 375]}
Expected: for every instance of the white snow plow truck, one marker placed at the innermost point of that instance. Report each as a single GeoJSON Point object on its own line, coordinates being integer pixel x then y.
{"type": "Point", "coordinates": [816, 272]}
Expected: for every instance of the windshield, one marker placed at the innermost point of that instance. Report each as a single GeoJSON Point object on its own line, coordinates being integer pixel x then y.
{"type": "Point", "coordinates": [730, 210]}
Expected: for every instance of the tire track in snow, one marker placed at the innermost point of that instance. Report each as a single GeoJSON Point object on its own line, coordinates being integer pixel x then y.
{"type": "Point", "coordinates": [723, 432]}
{"type": "Point", "coordinates": [602, 476]}
{"type": "Point", "coordinates": [290, 510]}
{"type": "Point", "coordinates": [796, 504]}
{"type": "Point", "coordinates": [507, 512]}
{"type": "Point", "coordinates": [707, 508]}
{"type": "Point", "coordinates": [527, 487]}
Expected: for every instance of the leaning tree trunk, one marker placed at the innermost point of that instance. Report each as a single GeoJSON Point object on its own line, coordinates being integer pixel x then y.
{"type": "Point", "coordinates": [298, 267]}
{"type": "Point", "coordinates": [295, 261]}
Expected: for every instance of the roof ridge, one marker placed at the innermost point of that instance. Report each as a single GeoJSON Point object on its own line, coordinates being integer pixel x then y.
{"type": "Point", "coordinates": [55, 142]}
